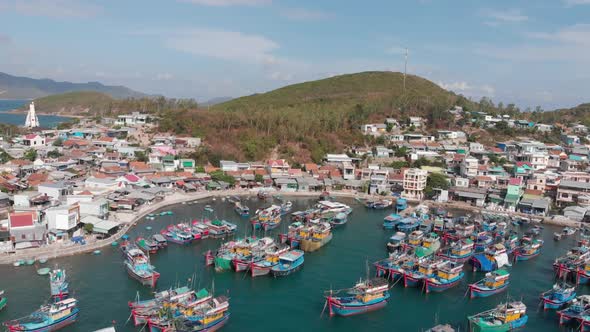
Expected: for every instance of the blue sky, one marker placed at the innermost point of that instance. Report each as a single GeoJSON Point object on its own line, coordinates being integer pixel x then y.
{"type": "Point", "coordinates": [530, 52]}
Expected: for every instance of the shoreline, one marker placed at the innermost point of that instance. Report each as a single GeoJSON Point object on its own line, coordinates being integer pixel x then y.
{"type": "Point", "coordinates": [131, 219]}
{"type": "Point", "coordinates": [17, 111]}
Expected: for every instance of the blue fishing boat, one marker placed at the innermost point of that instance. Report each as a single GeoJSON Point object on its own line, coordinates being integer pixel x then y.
{"type": "Point", "coordinates": [365, 296]}
{"type": "Point", "coordinates": [392, 267]}
{"type": "Point", "coordinates": [529, 248]}
{"type": "Point", "coordinates": [416, 271]}
{"type": "Point", "coordinates": [51, 317]}
{"type": "Point", "coordinates": [482, 240]}
{"type": "Point", "coordinates": [289, 262]}
{"type": "Point", "coordinates": [58, 285]}
{"type": "Point", "coordinates": [460, 251]}
{"type": "Point", "coordinates": [396, 241]}
{"type": "Point", "coordinates": [505, 317]}
{"type": "Point", "coordinates": [3, 300]}
{"type": "Point", "coordinates": [401, 204]}
{"type": "Point", "coordinates": [408, 224]}
{"type": "Point", "coordinates": [339, 219]}
{"type": "Point", "coordinates": [493, 283]}
{"type": "Point", "coordinates": [139, 268]}
{"type": "Point", "coordinates": [493, 258]}
{"type": "Point", "coordinates": [576, 312]}
{"type": "Point", "coordinates": [391, 221]}
{"type": "Point", "coordinates": [448, 275]}
{"type": "Point", "coordinates": [286, 207]}
{"type": "Point", "coordinates": [558, 296]}
{"type": "Point", "coordinates": [241, 209]}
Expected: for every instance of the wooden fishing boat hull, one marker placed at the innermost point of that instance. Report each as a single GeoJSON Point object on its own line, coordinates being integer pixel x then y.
{"type": "Point", "coordinates": [412, 280]}
{"type": "Point", "coordinates": [525, 257]}
{"type": "Point", "coordinates": [477, 291]}
{"type": "Point", "coordinates": [222, 264]}
{"type": "Point", "coordinates": [337, 308]}
{"type": "Point", "coordinates": [214, 326]}
{"type": "Point", "coordinates": [150, 281]}
{"type": "Point", "coordinates": [311, 245]}
{"type": "Point", "coordinates": [240, 265]}
{"type": "Point", "coordinates": [257, 270]}
{"type": "Point", "coordinates": [458, 259]}
{"type": "Point", "coordinates": [482, 327]}
{"type": "Point", "coordinates": [59, 324]}
{"type": "Point", "coordinates": [554, 304]}
{"type": "Point", "coordinates": [430, 286]}
{"type": "Point", "coordinates": [282, 273]}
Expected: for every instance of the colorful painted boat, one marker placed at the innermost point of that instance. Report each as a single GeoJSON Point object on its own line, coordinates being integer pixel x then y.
{"type": "Point", "coordinates": [289, 262]}
{"type": "Point", "coordinates": [139, 268]}
{"type": "Point", "coordinates": [448, 275]}
{"type": "Point", "coordinates": [339, 219]}
{"type": "Point", "coordinates": [241, 209]}
{"type": "Point", "coordinates": [408, 224]}
{"type": "Point", "coordinates": [460, 251]}
{"type": "Point", "coordinates": [401, 204]}
{"type": "Point", "coordinates": [505, 317]}
{"type": "Point", "coordinates": [482, 241]}
{"type": "Point", "coordinates": [493, 283]}
{"type": "Point", "coordinates": [270, 259]}
{"type": "Point", "coordinates": [58, 285]}
{"type": "Point", "coordinates": [396, 241]}
{"type": "Point", "coordinates": [219, 228]}
{"type": "Point", "coordinates": [577, 311]}
{"type": "Point", "coordinates": [365, 296]}
{"type": "Point", "coordinates": [267, 218]}
{"type": "Point", "coordinates": [51, 317]}
{"type": "Point", "coordinates": [3, 300]}
{"type": "Point", "coordinates": [416, 271]}
{"type": "Point", "coordinates": [569, 264]}
{"type": "Point", "coordinates": [529, 248]}
{"type": "Point", "coordinates": [147, 245]}
{"type": "Point", "coordinates": [160, 240]}
{"type": "Point", "coordinates": [558, 296]}
{"type": "Point", "coordinates": [314, 235]}
{"type": "Point", "coordinates": [493, 258]}
{"type": "Point", "coordinates": [391, 221]}
{"type": "Point", "coordinates": [174, 235]}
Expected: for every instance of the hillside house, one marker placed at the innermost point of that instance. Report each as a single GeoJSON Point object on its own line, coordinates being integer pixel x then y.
{"type": "Point", "coordinates": [33, 140]}
{"type": "Point", "coordinates": [374, 129]}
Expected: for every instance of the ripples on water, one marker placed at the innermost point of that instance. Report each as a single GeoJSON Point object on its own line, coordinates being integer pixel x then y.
{"type": "Point", "coordinates": [293, 303]}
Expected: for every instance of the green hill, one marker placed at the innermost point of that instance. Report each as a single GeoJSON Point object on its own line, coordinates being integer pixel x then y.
{"type": "Point", "coordinates": [76, 103]}
{"type": "Point", "coordinates": [580, 113]}
{"type": "Point", "coordinates": [304, 121]}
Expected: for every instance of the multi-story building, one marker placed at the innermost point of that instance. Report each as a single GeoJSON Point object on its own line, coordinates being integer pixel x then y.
{"type": "Point", "coordinates": [469, 167]}
{"type": "Point", "coordinates": [572, 186]}
{"type": "Point", "coordinates": [414, 183]}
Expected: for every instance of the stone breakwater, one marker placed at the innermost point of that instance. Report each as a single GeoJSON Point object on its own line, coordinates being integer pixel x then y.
{"type": "Point", "coordinates": [128, 220]}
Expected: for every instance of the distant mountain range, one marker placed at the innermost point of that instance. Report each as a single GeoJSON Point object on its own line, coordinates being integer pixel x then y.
{"type": "Point", "coordinates": [15, 87]}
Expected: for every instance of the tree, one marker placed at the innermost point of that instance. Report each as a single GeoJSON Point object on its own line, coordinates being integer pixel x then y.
{"type": "Point", "coordinates": [88, 228]}
{"type": "Point", "coordinates": [200, 169]}
{"type": "Point", "coordinates": [31, 154]}
{"type": "Point", "coordinates": [54, 154]}
{"type": "Point", "coordinates": [141, 156]}
{"type": "Point", "coordinates": [401, 151]}
{"type": "Point", "coordinates": [58, 142]}
{"type": "Point", "coordinates": [258, 178]}
{"type": "Point", "coordinates": [435, 181]}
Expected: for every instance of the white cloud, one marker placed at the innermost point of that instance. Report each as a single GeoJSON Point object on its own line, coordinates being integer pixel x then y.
{"type": "Point", "coordinates": [302, 14]}
{"type": "Point", "coordinates": [465, 88]}
{"type": "Point", "coordinates": [221, 44]}
{"type": "Point", "coordinates": [227, 3]}
{"type": "Point", "coordinates": [497, 17]}
{"type": "Point", "coordinates": [51, 8]}
{"type": "Point", "coordinates": [569, 44]}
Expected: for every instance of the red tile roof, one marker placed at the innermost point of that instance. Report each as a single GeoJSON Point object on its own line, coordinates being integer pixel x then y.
{"type": "Point", "coordinates": [22, 219]}
{"type": "Point", "coordinates": [515, 181]}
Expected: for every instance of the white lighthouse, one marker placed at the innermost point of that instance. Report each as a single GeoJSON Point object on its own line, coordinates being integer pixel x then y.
{"type": "Point", "coordinates": [32, 121]}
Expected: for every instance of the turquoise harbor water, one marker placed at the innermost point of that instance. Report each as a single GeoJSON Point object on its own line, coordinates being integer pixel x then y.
{"type": "Point", "coordinates": [293, 303]}
{"type": "Point", "coordinates": [47, 121]}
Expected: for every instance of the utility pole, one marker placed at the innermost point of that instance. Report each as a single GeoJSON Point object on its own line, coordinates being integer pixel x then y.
{"type": "Point", "coordinates": [405, 70]}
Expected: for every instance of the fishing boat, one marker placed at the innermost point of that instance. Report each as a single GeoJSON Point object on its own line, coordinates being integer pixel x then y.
{"type": "Point", "coordinates": [58, 285]}
{"type": "Point", "coordinates": [51, 317]}
{"type": "Point", "coordinates": [441, 328]}
{"type": "Point", "coordinates": [208, 209]}
{"type": "Point", "coordinates": [482, 240]}
{"type": "Point", "coordinates": [448, 275]}
{"type": "Point", "coordinates": [3, 300]}
{"type": "Point", "coordinates": [511, 242]}
{"type": "Point", "coordinates": [219, 228]}
{"type": "Point", "coordinates": [493, 283]}
{"type": "Point", "coordinates": [271, 258]}
{"type": "Point", "coordinates": [567, 231]}
{"type": "Point", "coordinates": [43, 271]}
{"type": "Point", "coordinates": [289, 262]}
{"type": "Point", "coordinates": [233, 199]}
{"type": "Point", "coordinates": [333, 207]}
{"type": "Point", "coordinates": [493, 258]}
{"type": "Point", "coordinates": [243, 260]}
{"type": "Point", "coordinates": [529, 248]}
{"type": "Point", "coordinates": [207, 316]}
{"type": "Point", "coordinates": [160, 240]}
{"type": "Point", "coordinates": [263, 194]}
{"type": "Point", "coordinates": [568, 264]}
{"type": "Point", "coordinates": [30, 261]}
{"type": "Point", "coordinates": [173, 294]}
{"type": "Point", "coordinates": [267, 218]}
{"type": "Point", "coordinates": [505, 317]}
{"type": "Point", "coordinates": [401, 204]}
{"type": "Point", "coordinates": [393, 266]}
{"type": "Point", "coordinates": [286, 207]}
{"type": "Point", "coordinates": [381, 204]}
{"type": "Point", "coordinates": [147, 245]}
{"type": "Point", "coordinates": [577, 311]}
{"type": "Point", "coordinates": [175, 235]}
{"type": "Point", "coordinates": [391, 221]}
{"type": "Point", "coordinates": [408, 224]}
{"type": "Point", "coordinates": [558, 296]}
{"type": "Point", "coordinates": [229, 250]}
{"type": "Point", "coordinates": [139, 268]}
{"type": "Point", "coordinates": [339, 219]}
{"type": "Point", "coordinates": [415, 271]}
{"type": "Point", "coordinates": [366, 295]}
{"type": "Point", "coordinates": [241, 209]}
{"type": "Point", "coordinates": [314, 236]}
{"type": "Point", "coordinates": [460, 251]}
{"type": "Point", "coordinates": [396, 241]}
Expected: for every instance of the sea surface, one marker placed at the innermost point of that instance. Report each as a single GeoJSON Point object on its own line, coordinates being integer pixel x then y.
{"type": "Point", "coordinates": [47, 121]}
{"type": "Point", "coordinates": [292, 303]}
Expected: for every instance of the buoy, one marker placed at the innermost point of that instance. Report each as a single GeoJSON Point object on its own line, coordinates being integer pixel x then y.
{"type": "Point", "coordinates": [96, 252]}
{"type": "Point", "coordinates": [43, 271]}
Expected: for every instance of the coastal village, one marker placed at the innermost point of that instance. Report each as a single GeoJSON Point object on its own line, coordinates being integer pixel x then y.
{"type": "Point", "coordinates": [76, 190]}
